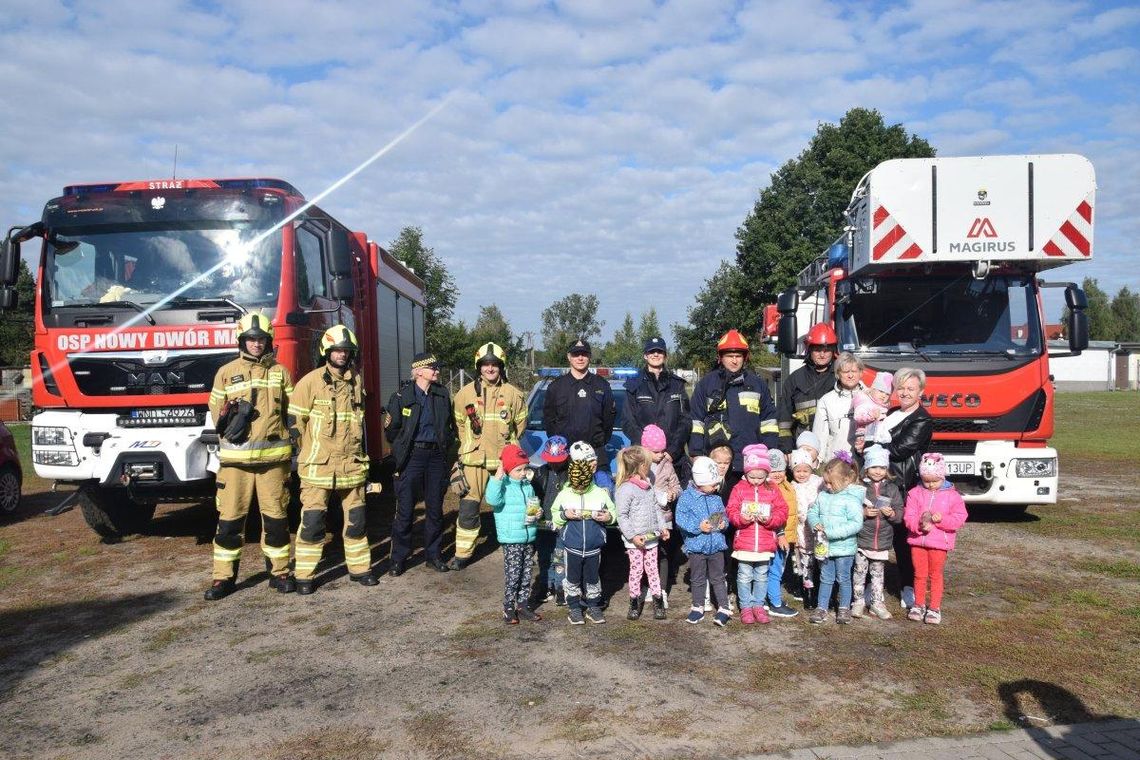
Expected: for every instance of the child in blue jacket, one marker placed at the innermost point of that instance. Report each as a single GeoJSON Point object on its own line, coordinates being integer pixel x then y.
{"type": "Point", "coordinates": [838, 513]}
{"type": "Point", "coordinates": [700, 516]}
{"type": "Point", "coordinates": [510, 497]}
{"type": "Point", "coordinates": [581, 511]}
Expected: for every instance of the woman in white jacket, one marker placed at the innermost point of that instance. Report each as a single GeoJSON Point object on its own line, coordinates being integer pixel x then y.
{"type": "Point", "coordinates": [833, 423]}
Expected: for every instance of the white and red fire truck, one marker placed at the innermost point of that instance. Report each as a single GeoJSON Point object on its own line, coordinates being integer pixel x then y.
{"type": "Point", "coordinates": [139, 287]}
{"type": "Point", "coordinates": [937, 268]}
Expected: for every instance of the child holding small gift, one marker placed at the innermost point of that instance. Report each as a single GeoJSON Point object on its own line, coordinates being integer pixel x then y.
{"type": "Point", "coordinates": [643, 527]}
{"type": "Point", "coordinates": [757, 510]}
{"type": "Point", "coordinates": [510, 497]}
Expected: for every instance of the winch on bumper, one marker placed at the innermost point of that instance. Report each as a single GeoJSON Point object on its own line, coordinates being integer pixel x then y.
{"type": "Point", "coordinates": [999, 472]}
{"type": "Point", "coordinates": [83, 446]}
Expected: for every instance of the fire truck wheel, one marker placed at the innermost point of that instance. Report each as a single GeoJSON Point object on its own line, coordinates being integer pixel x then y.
{"type": "Point", "coordinates": [9, 490]}
{"type": "Point", "coordinates": [112, 515]}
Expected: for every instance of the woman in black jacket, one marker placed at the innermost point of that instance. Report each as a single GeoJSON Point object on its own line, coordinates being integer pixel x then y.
{"type": "Point", "coordinates": [911, 428]}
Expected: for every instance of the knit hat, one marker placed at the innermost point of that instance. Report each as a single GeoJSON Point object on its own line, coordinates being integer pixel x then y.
{"type": "Point", "coordinates": [653, 438]}
{"type": "Point", "coordinates": [580, 451]}
{"type": "Point", "coordinates": [884, 381]}
{"type": "Point", "coordinates": [578, 475]}
{"type": "Point", "coordinates": [705, 472]}
{"type": "Point", "coordinates": [932, 466]}
{"type": "Point", "coordinates": [808, 438]}
{"type": "Point", "coordinates": [777, 459]}
{"type": "Point", "coordinates": [876, 456]}
{"type": "Point", "coordinates": [512, 456]}
{"type": "Point", "coordinates": [756, 458]}
{"type": "Point", "coordinates": [799, 457]}
{"type": "Point", "coordinates": [555, 449]}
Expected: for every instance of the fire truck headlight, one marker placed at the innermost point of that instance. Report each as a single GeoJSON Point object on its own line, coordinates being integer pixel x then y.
{"type": "Point", "coordinates": [1036, 468]}
{"type": "Point", "coordinates": [56, 457]}
{"type": "Point", "coordinates": [51, 436]}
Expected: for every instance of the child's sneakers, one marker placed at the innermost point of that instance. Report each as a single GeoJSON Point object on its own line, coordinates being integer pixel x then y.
{"type": "Point", "coordinates": [722, 617]}
{"type": "Point", "coordinates": [906, 598]}
{"type": "Point", "coordinates": [594, 615]}
{"type": "Point", "coordinates": [696, 615]}
{"type": "Point", "coordinates": [857, 608]}
{"type": "Point", "coordinates": [782, 610]}
{"type": "Point", "coordinates": [747, 617]}
{"type": "Point", "coordinates": [526, 613]}
{"type": "Point", "coordinates": [510, 616]}
{"type": "Point", "coordinates": [760, 615]}
{"type": "Point", "coordinates": [879, 610]}
{"type": "Point", "coordinates": [574, 615]}
{"type": "Point", "coordinates": [934, 617]}
{"type": "Point", "coordinates": [818, 615]}
{"type": "Point", "coordinates": [916, 614]}
{"type": "Point", "coordinates": [843, 616]}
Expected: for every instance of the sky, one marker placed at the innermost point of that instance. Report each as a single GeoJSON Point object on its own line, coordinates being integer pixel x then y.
{"type": "Point", "coordinates": [594, 146]}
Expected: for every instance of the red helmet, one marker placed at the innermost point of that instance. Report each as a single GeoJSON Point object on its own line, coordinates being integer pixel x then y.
{"type": "Point", "coordinates": [821, 334]}
{"type": "Point", "coordinates": [732, 341]}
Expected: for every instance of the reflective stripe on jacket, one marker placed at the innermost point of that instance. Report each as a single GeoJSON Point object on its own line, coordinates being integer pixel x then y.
{"type": "Point", "coordinates": [328, 411]}
{"type": "Point", "coordinates": [500, 409]}
{"type": "Point", "coordinates": [267, 386]}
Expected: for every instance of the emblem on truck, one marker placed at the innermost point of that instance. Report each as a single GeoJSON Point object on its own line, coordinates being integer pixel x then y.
{"type": "Point", "coordinates": [951, 399]}
{"type": "Point", "coordinates": [141, 379]}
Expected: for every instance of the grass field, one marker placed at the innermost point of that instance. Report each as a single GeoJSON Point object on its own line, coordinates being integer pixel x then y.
{"type": "Point", "coordinates": [1082, 420]}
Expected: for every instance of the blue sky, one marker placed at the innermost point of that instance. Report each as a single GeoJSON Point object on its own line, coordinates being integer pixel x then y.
{"type": "Point", "coordinates": [595, 146]}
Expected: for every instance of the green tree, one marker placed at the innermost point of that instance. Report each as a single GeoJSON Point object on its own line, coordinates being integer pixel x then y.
{"type": "Point", "coordinates": [453, 346]}
{"type": "Point", "coordinates": [1102, 320]}
{"type": "Point", "coordinates": [649, 326]}
{"type": "Point", "coordinates": [625, 348]}
{"type": "Point", "coordinates": [16, 327]}
{"type": "Point", "coordinates": [1126, 314]}
{"type": "Point", "coordinates": [801, 211]}
{"type": "Point", "coordinates": [720, 305]}
{"type": "Point", "coordinates": [439, 286]}
{"type": "Point", "coordinates": [565, 320]}
{"type": "Point", "coordinates": [492, 326]}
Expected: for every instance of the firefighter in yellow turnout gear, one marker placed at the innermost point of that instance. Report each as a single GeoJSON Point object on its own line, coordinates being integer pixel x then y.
{"type": "Point", "coordinates": [248, 406]}
{"type": "Point", "coordinates": [489, 413]}
{"type": "Point", "coordinates": [328, 411]}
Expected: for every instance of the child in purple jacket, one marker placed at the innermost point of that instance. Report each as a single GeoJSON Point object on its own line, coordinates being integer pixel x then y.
{"type": "Point", "coordinates": [934, 512]}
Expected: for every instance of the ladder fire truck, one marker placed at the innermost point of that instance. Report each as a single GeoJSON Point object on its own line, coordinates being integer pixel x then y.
{"type": "Point", "coordinates": [138, 290]}
{"type": "Point", "coordinates": [937, 268]}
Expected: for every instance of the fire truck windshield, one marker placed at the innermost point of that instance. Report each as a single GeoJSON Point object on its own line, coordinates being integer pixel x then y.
{"type": "Point", "coordinates": [145, 263]}
{"type": "Point", "coordinates": [941, 315]}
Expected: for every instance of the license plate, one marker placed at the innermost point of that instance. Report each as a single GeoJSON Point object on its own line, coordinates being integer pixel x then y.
{"type": "Point", "coordinates": [959, 468]}
{"type": "Point", "coordinates": [175, 415]}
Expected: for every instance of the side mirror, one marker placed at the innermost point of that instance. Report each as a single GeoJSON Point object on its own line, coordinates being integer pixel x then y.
{"type": "Point", "coordinates": [341, 289]}
{"type": "Point", "coordinates": [787, 341]}
{"type": "Point", "coordinates": [340, 254]}
{"type": "Point", "coordinates": [788, 301]}
{"type": "Point", "coordinates": [9, 299]}
{"type": "Point", "coordinates": [9, 262]}
{"type": "Point", "coordinates": [1075, 298]}
{"type": "Point", "coordinates": [297, 319]}
{"type": "Point", "coordinates": [1078, 331]}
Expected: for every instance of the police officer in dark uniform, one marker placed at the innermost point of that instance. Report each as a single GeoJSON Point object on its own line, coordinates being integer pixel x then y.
{"type": "Point", "coordinates": [802, 389]}
{"type": "Point", "coordinates": [579, 405]}
{"type": "Point", "coordinates": [420, 426]}
{"type": "Point", "coordinates": [656, 396]}
{"type": "Point", "coordinates": [732, 404]}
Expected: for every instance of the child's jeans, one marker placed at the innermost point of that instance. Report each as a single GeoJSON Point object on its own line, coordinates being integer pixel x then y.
{"type": "Point", "coordinates": [583, 579]}
{"type": "Point", "coordinates": [928, 563]}
{"type": "Point", "coordinates": [865, 566]}
{"type": "Point", "coordinates": [516, 574]}
{"type": "Point", "coordinates": [751, 583]}
{"type": "Point", "coordinates": [830, 570]}
{"type": "Point", "coordinates": [775, 576]}
{"type": "Point", "coordinates": [643, 562]}
{"type": "Point", "coordinates": [551, 558]}
{"type": "Point", "coordinates": [708, 567]}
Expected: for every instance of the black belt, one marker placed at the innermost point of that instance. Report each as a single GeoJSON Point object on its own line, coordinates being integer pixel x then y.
{"type": "Point", "coordinates": [425, 444]}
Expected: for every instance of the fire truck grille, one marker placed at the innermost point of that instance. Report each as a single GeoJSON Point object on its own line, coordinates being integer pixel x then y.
{"type": "Point", "coordinates": [1022, 418]}
{"type": "Point", "coordinates": [118, 376]}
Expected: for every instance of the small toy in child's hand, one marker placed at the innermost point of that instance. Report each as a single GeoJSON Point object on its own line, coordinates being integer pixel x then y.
{"type": "Point", "coordinates": [820, 545]}
{"type": "Point", "coordinates": [650, 539]}
{"type": "Point", "coordinates": [533, 510]}
{"type": "Point", "coordinates": [717, 521]}
{"type": "Point", "coordinates": [601, 515]}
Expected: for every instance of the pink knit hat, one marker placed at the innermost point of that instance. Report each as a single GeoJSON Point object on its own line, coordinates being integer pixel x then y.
{"type": "Point", "coordinates": [653, 438]}
{"type": "Point", "coordinates": [932, 466]}
{"type": "Point", "coordinates": [756, 458]}
{"type": "Point", "coordinates": [884, 381]}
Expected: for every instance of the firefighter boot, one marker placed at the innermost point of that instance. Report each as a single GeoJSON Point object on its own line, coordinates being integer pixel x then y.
{"type": "Point", "coordinates": [220, 590]}
{"type": "Point", "coordinates": [281, 582]}
{"type": "Point", "coordinates": [306, 586]}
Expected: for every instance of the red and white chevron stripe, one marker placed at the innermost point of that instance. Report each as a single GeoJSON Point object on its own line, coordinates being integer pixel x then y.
{"type": "Point", "coordinates": [889, 240]}
{"type": "Point", "coordinates": [1074, 239]}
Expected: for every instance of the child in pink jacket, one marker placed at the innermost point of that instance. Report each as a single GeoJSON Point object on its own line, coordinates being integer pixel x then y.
{"type": "Point", "coordinates": [933, 514]}
{"type": "Point", "coordinates": [757, 509]}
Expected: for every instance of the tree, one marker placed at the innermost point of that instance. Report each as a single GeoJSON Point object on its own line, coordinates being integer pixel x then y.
{"type": "Point", "coordinates": [648, 326]}
{"type": "Point", "coordinates": [1102, 320]}
{"type": "Point", "coordinates": [721, 304]}
{"type": "Point", "coordinates": [453, 347]}
{"type": "Point", "coordinates": [801, 212]}
{"type": "Point", "coordinates": [493, 326]}
{"type": "Point", "coordinates": [439, 286]}
{"type": "Point", "coordinates": [625, 349]}
{"type": "Point", "coordinates": [1126, 313]}
{"type": "Point", "coordinates": [567, 319]}
{"type": "Point", "coordinates": [16, 327]}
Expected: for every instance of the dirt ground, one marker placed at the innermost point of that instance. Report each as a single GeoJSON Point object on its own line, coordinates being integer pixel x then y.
{"type": "Point", "coordinates": [109, 650]}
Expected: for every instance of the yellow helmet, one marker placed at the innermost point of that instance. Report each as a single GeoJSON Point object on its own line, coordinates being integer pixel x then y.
{"type": "Point", "coordinates": [339, 337]}
{"type": "Point", "coordinates": [254, 324]}
{"type": "Point", "coordinates": [490, 352]}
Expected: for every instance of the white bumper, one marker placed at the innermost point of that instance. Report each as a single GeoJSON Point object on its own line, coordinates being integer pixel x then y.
{"type": "Point", "coordinates": [178, 452]}
{"type": "Point", "coordinates": [991, 475]}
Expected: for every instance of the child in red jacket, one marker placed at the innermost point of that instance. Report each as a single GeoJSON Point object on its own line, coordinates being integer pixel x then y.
{"type": "Point", "coordinates": [757, 510]}
{"type": "Point", "coordinates": [934, 512]}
